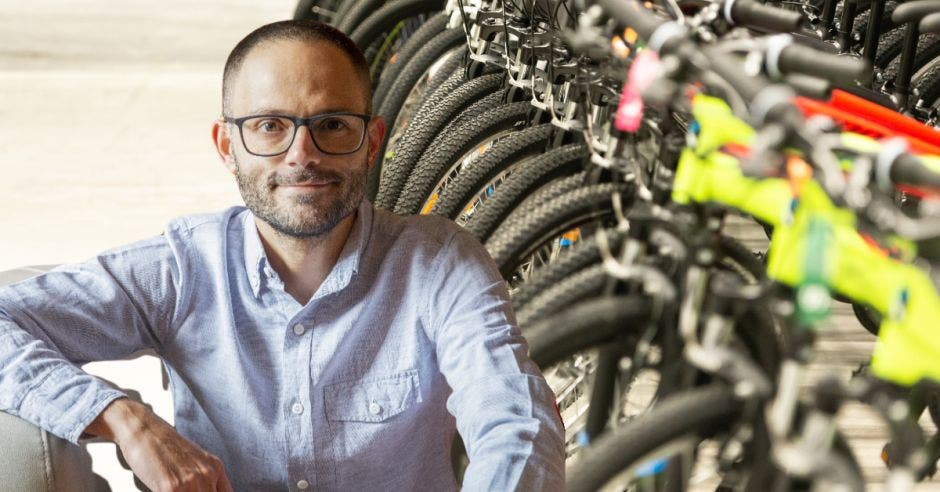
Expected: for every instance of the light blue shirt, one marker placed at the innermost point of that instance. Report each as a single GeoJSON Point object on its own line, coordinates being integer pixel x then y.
{"type": "Point", "coordinates": [360, 389]}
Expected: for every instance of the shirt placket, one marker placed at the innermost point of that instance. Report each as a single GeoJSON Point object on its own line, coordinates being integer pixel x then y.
{"type": "Point", "coordinates": [296, 398]}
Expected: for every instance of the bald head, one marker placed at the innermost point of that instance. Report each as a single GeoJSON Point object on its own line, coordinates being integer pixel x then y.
{"type": "Point", "coordinates": [313, 35]}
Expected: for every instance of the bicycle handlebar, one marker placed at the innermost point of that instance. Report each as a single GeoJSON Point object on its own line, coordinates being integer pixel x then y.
{"type": "Point", "coordinates": [760, 16]}
{"type": "Point", "coordinates": [910, 170]}
{"type": "Point", "coordinates": [796, 58]}
{"type": "Point", "coordinates": [914, 11]}
{"type": "Point", "coordinates": [930, 23]}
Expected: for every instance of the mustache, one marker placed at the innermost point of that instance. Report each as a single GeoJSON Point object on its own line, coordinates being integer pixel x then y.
{"type": "Point", "coordinates": [304, 176]}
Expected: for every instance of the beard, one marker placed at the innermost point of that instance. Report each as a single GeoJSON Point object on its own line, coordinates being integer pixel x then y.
{"type": "Point", "coordinates": [306, 215]}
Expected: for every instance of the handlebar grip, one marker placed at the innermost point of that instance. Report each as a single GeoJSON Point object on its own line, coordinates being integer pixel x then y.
{"type": "Point", "coordinates": [930, 23]}
{"type": "Point", "coordinates": [797, 58]}
{"type": "Point", "coordinates": [632, 14]}
{"type": "Point", "coordinates": [909, 169]}
{"type": "Point", "coordinates": [762, 17]}
{"type": "Point", "coordinates": [808, 86]}
{"type": "Point", "coordinates": [914, 11]}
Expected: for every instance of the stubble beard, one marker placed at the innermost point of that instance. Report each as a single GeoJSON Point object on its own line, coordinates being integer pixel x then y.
{"type": "Point", "coordinates": [308, 215]}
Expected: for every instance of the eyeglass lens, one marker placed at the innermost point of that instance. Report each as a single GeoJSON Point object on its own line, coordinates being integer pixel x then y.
{"type": "Point", "coordinates": [334, 134]}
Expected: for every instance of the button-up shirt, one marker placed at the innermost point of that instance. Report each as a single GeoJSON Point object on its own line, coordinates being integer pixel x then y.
{"type": "Point", "coordinates": [410, 336]}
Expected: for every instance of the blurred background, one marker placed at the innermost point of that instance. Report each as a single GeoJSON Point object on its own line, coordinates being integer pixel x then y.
{"type": "Point", "coordinates": [105, 110]}
{"type": "Point", "coordinates": [105, 113]}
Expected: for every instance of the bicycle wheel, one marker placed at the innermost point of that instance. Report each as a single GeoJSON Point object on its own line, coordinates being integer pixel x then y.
{"type": "Point", "coordinates": [428, 30]}
{"type": "Point", "coordinates": [321, 10]}
{"type": "Point", "coordinates": [928, 48]}
{"type": "Point", "coordinates": [531, 174]}
{"type": "Point", "coordinates": [514, 244]}
{"type": "Point", "coordinates": [644, 447]}
{"type": "Point", "coordinates": [581, 354]}
{"type": "Point", "coordinates": [342, 7]}
{"type": "Point", "coordinates": [452, 146]}
{"type": "Point", "coordinates": [381, 27]}
{"type": "Point", "coordinates": [583, 284]}
{"type": "Point", "coordinates": [355, 12]}
{"type": "Point", "coordinates": [454, 96]}
{"type": "Point", "coordinates": [439, 80]}
{"type": "Point", "coordinates": [473, 181]}
{"type": "Point", "coordinates": [578, 257]}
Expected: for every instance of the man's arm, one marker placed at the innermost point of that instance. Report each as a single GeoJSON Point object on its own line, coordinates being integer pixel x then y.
{"type": "Point", "coordinates": [108, 308]}
{"type": "Point", "coordinates": [103, 309]}
{"type": "Point", "coordinates": [505, 410]}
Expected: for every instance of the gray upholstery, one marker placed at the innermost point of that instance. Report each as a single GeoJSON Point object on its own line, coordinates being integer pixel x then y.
{"type": "Point", "coordinates": [31, 459]}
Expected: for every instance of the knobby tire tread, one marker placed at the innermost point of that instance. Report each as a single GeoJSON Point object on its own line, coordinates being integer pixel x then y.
{"type": "Point", "coordinates": [471, 180]}
{"type": "Point", "coordinates": [451, 145]}
{"type": "Point", "coordinates": [527, 177]}
{"type": "Point", "coordinates": [511, 245]}
{"type": "Point", "coordinates": [451, 98]}
{"type": "Point", "coordinates": [428, 30]}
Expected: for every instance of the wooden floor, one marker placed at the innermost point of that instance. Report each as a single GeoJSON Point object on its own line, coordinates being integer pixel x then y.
{"type": "Point", "coordinates": [842, 346]}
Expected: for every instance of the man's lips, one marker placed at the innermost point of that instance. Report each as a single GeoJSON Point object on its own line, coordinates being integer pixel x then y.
{"type": "Point", "coordinates": [308, 184]}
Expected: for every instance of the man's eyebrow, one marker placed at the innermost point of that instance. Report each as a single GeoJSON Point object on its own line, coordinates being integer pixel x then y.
{"type": "Point", "coordinates": [268, 111]}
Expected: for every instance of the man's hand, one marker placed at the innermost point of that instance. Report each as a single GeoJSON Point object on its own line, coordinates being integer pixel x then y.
{"type": "Point", "coordinates": [161, 458]}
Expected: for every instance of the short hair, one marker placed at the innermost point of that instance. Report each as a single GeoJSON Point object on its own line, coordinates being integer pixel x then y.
{"type": "Point", "coordinates": [305, 30]}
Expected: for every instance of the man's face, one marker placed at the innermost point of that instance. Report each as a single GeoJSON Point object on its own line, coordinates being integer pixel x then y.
{"type": "Point", "coordinates": [303, 192]}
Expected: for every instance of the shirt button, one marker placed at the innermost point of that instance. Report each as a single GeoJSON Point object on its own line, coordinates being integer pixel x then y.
{"type": "Point", "coordinates": [297, 408]}
{"type": "Point", "coordinates": [375, 408]}
{"type": "Point", "coordinates": [299, 329]}
{"type": "Point", "coordinates": [303, 484]}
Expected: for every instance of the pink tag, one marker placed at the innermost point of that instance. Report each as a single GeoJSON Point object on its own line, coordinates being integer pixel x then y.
{"type": "Point", "coordinates": [643, 71]}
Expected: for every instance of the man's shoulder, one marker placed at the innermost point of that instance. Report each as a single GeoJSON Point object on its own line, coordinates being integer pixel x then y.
{"type": "Point", "coordinates": [212, 223]}
{"type": "Point", "coordinates": [417, 230]}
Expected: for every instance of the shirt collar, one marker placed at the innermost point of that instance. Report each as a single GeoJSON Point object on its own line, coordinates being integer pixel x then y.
{"type": "Point", "coordinates": [348, 263]}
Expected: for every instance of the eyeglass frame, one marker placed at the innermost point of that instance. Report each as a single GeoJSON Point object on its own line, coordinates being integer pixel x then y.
{"type": "Point", "coordinates": [297, 120]}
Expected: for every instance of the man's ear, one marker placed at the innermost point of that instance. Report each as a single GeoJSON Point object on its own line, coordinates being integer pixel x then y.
{"type": "Point", "coordinates": [222, 138]}
{"type": "Point", "coordinates": [375, 134]}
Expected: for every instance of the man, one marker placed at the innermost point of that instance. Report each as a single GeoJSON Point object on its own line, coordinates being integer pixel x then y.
{"type": "Point", "coordinates": [312, 342]}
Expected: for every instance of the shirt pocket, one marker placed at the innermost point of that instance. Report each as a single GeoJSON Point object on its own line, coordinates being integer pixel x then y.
{"type": "Point", "coordinates": [372, 399]}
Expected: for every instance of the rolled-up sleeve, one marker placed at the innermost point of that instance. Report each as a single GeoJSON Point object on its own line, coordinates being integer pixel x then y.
{"type": "Point", "coordinates": [104, 309]}
{"type": "Point", "coordinates": [504, 409]}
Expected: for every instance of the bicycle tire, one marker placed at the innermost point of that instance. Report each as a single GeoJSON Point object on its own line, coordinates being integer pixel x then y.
{"type": "Point", "coordinates": [509, 246]}
{"type": "Point", "coordinates": [589, 323]}
{"type": "Point", "coordinates": [342, 7]}
{"type": "Point", "coordinates": [505, 154]}
{"type": "Point", "coordinates": [414, 70]}
{"type": "Point", "coordinates": [545, 193]}
{"type": "Point", "coordinates": [448, 77]}
{"type": "Point", "coordinates": [579, 256]}
{"type": "Point", "coordinates": [583, 284]}
{"type": "Point", "coordinates": [530, 175]}
{"type": "Point", "coordinates": [381, 22]}
{"type": "Point", "coordinates": [357, 11]}
{"type": "Point", "coordinates": [449, 146]}
{"type": "Point", "coordinates": [305, 10]}
{"type": "Point", "coordinates": [927, 85]}
{"type": "Point", "coordinates": [889, 47]}
{"type": "Point", "coordinates": [428, 30]}
{"type": "Point", "coordinates": [698, 412]}
{"type": "Point", "coordinates": [928, 48]}
{"type": "Point", "coordinates": [453, 96]}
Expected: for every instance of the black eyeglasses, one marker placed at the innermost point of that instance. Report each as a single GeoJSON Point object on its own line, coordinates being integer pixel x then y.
{"type": "Point", "coordinates": [332, 133]}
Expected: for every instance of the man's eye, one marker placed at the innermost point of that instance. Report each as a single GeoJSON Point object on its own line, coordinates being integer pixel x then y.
{"type": "Point", "coordinates": [271, 126]}
{"type": "Point", "coordinates": [332, 124]}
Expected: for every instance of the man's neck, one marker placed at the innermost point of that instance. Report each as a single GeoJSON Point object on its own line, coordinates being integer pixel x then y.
{"type": "Point", "coordinates": [304, 263]}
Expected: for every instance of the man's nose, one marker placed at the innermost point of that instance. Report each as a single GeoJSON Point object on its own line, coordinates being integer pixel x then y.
{"type": "Point", "coordinates": [302, 149]}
